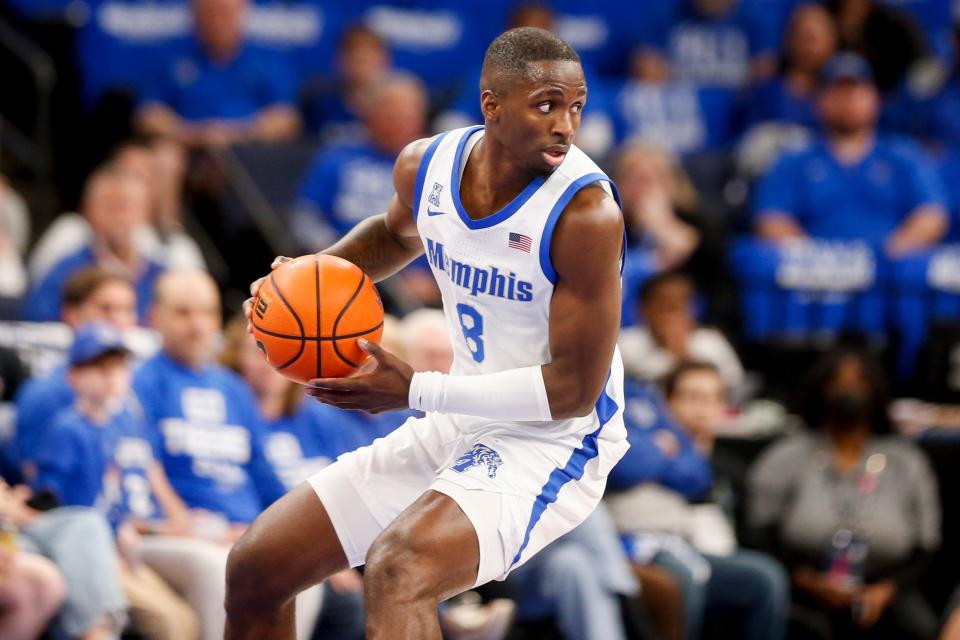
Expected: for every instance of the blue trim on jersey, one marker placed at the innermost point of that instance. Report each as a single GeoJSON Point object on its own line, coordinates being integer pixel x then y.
{"type": "Point", "coordinates": [494, 218]}
{"type": "Point", "coordinates": [422, 173]}
{"type": "Point", "coordinates": [606, 408]}
{"type": "Point", "coordinates": [547, 238]}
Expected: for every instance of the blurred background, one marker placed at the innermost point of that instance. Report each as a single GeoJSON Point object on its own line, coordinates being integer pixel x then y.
{"type": "Point", "coordinates": [790, 181]}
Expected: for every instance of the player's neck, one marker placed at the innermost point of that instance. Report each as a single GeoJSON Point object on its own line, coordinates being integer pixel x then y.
{"type": "Point", "coordinates": [494, 172]}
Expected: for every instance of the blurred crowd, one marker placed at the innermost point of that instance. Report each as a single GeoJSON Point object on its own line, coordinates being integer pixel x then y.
{"type": "Point", "coordinates": [789, 172]}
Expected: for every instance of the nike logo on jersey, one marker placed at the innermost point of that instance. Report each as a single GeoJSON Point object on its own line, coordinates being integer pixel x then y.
{"type": "Point", "coordinates": [435, 213]}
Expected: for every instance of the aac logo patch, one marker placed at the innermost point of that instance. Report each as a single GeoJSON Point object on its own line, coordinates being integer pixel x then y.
{"type": "Point", "coordinates": [479, 456]}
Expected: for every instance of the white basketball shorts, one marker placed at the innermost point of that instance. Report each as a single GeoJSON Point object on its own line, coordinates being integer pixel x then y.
{"type": "Point", "coordinates": [519, 491]}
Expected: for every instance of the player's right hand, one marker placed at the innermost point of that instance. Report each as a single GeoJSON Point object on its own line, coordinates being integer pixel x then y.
{"type": "Point", "coordinates": [255, 289]}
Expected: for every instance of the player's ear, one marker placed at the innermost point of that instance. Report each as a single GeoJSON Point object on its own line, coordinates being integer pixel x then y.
{"type": "Point", "coordinates": [490, 105]}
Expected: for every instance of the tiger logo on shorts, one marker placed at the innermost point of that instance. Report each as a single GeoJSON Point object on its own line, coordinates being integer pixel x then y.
{"type": "Point", "coordinates": [480, 455]}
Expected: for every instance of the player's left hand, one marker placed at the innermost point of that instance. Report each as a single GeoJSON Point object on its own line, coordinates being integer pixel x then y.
{"type": "Point", "coordinates": [381, 384]}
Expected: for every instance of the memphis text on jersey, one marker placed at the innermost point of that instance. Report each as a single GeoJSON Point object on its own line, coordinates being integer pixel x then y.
{"type": "Point", "coordinates": [494, 282]}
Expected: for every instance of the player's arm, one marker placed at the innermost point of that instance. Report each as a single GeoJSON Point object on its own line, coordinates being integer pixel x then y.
{"type": "Point", "coordinates": [585, 310]}
{"type": "Point", "coordinates": [585, 318]}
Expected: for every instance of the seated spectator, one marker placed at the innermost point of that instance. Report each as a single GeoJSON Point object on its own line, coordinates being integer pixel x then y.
{"type": "Point", "coordinates": [303, 436]}
{"type": "Point", "coordinates": [79, 543]}
{"type": "Point", "coordinates": [116, 204]}
{"type": "Point", "coordinates": [14, 233]}
{"type": "Point", "coordinates": [886, 36]}
{"type": "Point", "coordinates": [719, 43]}
{"type": "Point", "coordinates": [90, 295]}
{"type": "Point", "coordinates": [578, 580]}
{"type": "Point", "coordinates": [161, 165]}
{"type": "Point", "coordinates": [659, 499]}
{"type": "Point", "coordinates": [672, 334]}
{"type": "Point", "coordinates": [220, 90]}
{"type": "Point", "coordinates": [98, 454]}
{"type": "Point", "coordinates": [331, 104]}
{"type": "Point", "coordinates": [347, 183]}
{"type": "Point", "coordinates": [852, 185]}
{"type": "Point", "coordinates": [211, 442]}
{"type": "Point", "coordinates": [852, 512]}
{"type": "Point", "coordinates": [790, 96]}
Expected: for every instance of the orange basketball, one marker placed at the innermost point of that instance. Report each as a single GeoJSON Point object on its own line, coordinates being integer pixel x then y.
{"type": "Point", "coordinates": [309, 314]}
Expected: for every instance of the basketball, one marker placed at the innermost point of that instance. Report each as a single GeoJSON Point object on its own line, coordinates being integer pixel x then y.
{"type": "Point", "coordinates": [309, 314]}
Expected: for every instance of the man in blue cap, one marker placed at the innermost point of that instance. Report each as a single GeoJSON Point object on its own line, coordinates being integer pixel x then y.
{"type": "Point", "coordinates": [852, 184]}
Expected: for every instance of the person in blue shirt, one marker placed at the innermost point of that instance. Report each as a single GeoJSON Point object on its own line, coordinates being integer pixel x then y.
{"type": "Point", "coordinates": [659, 498]}
{"type": "Point", "coordinates": [117, 205]}
{"type": "Point", "coordinates": [302, 31]}
{"type": "Point", "coordinates": [210, 431]}
{"type": "Point", "coordinates": [852, 184]}
{"type": "Point", "coordinates": [122, 37]}
{"type": "Point", "coordinates": [220, 90]}
{"type": "Point", "coordinates": [719, 43]}
{"type": "Point", "coordinates": [98, 454]}
{"type": "Point", "coordinates": [90, 295]}
{"type": "Point", "coordinates": [330, 103]}
{"type": "Point", "coordinates": [790, 96]}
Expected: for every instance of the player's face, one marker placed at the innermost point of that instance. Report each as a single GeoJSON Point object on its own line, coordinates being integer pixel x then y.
{"type": "Point", "coordinates": [540, 114]}
{"type": "Point", "coordinates": [698, 403]}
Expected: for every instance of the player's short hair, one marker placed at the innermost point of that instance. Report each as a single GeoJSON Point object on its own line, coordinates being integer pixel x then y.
{"type": "Point", "coordinates": [672, 379]}
{"type": "Point", "coordinates": [511, 53]}
{"type": "Point", "coordinates": [85, 282]}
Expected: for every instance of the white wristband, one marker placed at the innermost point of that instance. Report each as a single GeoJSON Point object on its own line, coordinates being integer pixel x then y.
{"type": "Point", "coordinates": [514, 395]}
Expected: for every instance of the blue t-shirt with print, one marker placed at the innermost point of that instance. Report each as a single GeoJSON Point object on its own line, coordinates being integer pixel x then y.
{"type": "Point", "coordinates": [304, 442]}
{"type": "Point", "coordinates": [346, 184]}
{"type": "Point", "coordinates": [865, 200]}
{"type": "Point", "coordinates": [710, 51]}
{"type": "Point", "coordinates": [211, 437]}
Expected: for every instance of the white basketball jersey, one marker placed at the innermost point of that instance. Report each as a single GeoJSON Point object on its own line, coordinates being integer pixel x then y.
{"type": "Point", "coordinates": [496, 276]}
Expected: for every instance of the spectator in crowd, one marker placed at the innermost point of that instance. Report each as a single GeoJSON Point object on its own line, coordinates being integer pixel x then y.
{"type": "Point", "coordinates": [14, 233]}
{"type": "Point", "coordinates": [578, 580]}
{"type": "Point", "coordinates": [721, 43]}
{"type": "Point", "coordinates": [31, 592]}
{"type": "Point", "coordinates": [90, 295]}
{"type": "Point", "coordinates": [211, 442]}
{"type": "Point", "coordinates": [303, 437]}
{"type": "Point", "coordinates": [116, 204]}
{"type": "Point", "coordinates": [660, 500]}
{"type": "Point", "coordinates": [672, 334]}
{"type": "Point", "coordinates": [852, 184]}
{"type": "Point", "coordinates": [79, 543]}
{"type": "Point", "coordinates": [885, 35]}
{"type": "Point", "coordinates": [220, 90]}
{"type": "Point", "coordinates": [347, 182]}
{"type": "Point", "coordinates": [98, 454]}
{"type": "Point", "coordinates": [161, 165]}
{"type": "Point", "coordinates": [852, 512]}
{"type": "Point", "coordinates": [790, 96]}
{"type": "Point", "coordinates": [331, 104]}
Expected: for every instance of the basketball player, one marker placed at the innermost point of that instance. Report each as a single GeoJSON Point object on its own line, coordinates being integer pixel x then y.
{"type": "Point", "coordinates": [525, 239]}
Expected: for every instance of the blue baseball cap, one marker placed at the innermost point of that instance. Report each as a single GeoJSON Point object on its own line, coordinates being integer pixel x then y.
{"type": "Point", "coordinates": [93, 341]}
{"type": "Point", "coordinates": [846, 66]}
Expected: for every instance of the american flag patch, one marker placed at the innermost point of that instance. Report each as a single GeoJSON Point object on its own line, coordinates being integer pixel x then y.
{"type": "Point", "coordinates": [520, 241]}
